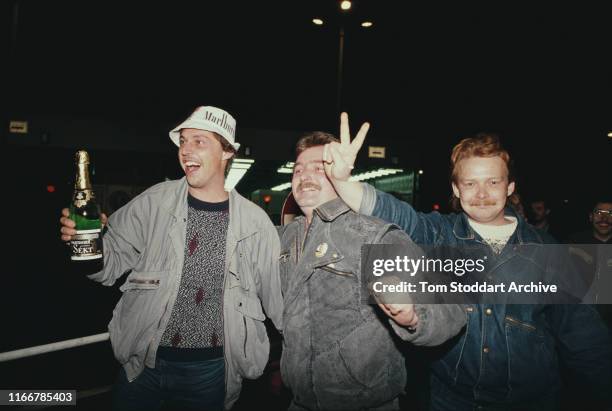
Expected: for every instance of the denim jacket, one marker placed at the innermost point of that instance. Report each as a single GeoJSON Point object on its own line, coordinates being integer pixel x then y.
{"type": "Point", "coordinates": [339, 352]}
{"type": "Point", "coordinates": [508, 353]}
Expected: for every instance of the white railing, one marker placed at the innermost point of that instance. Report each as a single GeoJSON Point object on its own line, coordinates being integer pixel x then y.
{"type": "Point", "coordinates": [56, 346]}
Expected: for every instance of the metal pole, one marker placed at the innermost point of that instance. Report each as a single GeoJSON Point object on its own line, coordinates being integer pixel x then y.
{"type": "Point", "coordinates": [340, 63]}
{"type": "Point", "coordinates": [415, 187]}
{"type": "Point", "coordinates": [14, 31]}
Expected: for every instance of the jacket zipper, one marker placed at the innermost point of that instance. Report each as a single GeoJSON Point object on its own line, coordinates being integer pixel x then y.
{"type": "Point", "coordinates": [137, 281]}
{"type": "Point", "coordinates": [336, 271]}
{"type": "Point", "coordinates": [225, 377]}
{"type": "Point", "coordinates": [245, 334]}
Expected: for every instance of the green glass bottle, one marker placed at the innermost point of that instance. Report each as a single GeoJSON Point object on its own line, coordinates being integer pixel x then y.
{"type": "Point", "coordinates": [86, 245]}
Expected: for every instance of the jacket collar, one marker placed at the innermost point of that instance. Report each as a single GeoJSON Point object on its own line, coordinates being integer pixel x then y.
{"type": "Point", "coordinates": [525, 234]}
{"type": "Point", "coordinates": [240, 228]}
{"type": "Point", "coordinates": [240, 217]}
{"type": "Point", "coordinates": [332, 209]}
{"type": "Point", "coordinates": [176, 202]}
{"type": "Point", "coordinates": [462, 229]}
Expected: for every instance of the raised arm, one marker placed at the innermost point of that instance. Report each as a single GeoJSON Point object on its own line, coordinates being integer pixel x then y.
{"type": "Point", "coordinates": [339, 159]}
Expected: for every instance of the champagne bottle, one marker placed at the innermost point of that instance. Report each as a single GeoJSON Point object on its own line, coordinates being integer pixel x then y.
{"type": "Point", "coordinates": [86, 245]}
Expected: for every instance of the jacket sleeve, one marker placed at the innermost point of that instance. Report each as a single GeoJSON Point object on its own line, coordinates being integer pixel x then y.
{"type": "Point", "coordinates": [123, 241]}
{"type": "Point", "coordinates": [421, 227]}
{"type": "Point", "coordinates": [437, 322]}
{"type": "Point", "coordinates": [585, 347]}
{"type": "Point", "coordinates": [268, 273]}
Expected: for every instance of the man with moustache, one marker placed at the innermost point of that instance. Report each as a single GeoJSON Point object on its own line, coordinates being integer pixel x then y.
{"type": "Point", "coordinates": [200, 264]}
{"type": "Point", "coordinates": [508, 357]}
{"type": "Point", "coordinates": [593, 250]}
{"type": "Point", "coordinates": [338, 352]}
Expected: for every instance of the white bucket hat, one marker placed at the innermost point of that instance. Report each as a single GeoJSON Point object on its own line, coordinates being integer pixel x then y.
{"type": "Point", "coordinates": [210, 119]}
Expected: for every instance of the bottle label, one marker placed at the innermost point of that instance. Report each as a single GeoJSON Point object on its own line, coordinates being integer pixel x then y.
{"type": "Point", "coordinates": [82, 197]}
{"type": "Point", "coordinates": [86, 245]}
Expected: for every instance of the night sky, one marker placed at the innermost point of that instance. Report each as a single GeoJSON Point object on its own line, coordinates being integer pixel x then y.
{"type": "Point", "coordinates": [424, 76]}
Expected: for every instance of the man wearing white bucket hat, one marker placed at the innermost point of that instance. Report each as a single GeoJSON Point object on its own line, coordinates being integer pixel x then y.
{"type": "Point", "coordinates": [202, 262]}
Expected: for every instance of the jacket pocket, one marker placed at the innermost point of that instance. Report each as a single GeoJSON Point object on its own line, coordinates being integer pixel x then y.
{"type": "Point", "coordinates": [452, 352]}
{"type": "Point", "coordinates": [530, 358]}
{"type": "Point", "coordinates": [285, 269]}
{"type": "Point", "coordinates": [250, 307]}
{"type": "Point", "coordinates": [250, 346]}
{"type": "Point", "coordinates": [511, 321]}
{"type": "Point", "coordinates": [338, 270]}
{"type": "Point", "coordinates": [362, 370]}
{"type": "Point", "coordinates": [142, 281]}
{"type": "Point", "coordinates": [138, 284]}
{"type": "Point", "coordinates": [137, 314]}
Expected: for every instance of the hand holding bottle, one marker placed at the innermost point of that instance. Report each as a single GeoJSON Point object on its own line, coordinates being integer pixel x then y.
{"type": "Point", "coordinates": [82, 222]}
{"type": "Point", "coordinates": [68, 226]}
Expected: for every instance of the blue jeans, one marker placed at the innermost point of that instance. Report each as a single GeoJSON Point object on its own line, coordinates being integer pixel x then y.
{"type": "Point", "coordinates": [197, 385]}
{"type": "Point", "coordinates": [444, 399]}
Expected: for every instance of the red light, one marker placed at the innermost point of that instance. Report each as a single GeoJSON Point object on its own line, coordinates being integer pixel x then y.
{"type": "Point", "coordinates": [267, 198]}
{"type": "Point", "coordinates": [50, 188]}
{"type": "Point", "coordinates": [436, 207]}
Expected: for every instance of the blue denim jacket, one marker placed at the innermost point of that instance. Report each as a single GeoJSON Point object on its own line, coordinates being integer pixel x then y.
{"type": "Point", "coordinates": [507, 354]}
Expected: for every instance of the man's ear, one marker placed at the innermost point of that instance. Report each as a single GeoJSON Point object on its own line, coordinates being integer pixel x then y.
{"type": "Point", "coordinates": [227, 155]}
{"type": "Point", "coordinates": [510, 189]}
{"type": "Point", "coordinates": [455, 190]}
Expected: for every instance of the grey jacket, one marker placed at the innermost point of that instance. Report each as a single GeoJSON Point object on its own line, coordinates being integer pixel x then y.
{"type": "Point", "coordinates": [339, 352]}
{"type": "Point", "coordinates": [146, 238]}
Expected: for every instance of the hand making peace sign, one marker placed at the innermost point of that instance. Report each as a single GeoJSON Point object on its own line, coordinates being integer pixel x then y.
{"type": "Point", "coordinates": [339, 158]}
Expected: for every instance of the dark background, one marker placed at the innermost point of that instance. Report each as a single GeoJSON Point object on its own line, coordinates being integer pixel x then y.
{"type": "Point", "coordinates": [424, 76]}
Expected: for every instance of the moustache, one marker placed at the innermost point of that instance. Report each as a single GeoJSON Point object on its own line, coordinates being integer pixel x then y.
{"type": "Point", "coordinates": [308, 184]}
{"type": "Point", "coordinates": [482, 203]}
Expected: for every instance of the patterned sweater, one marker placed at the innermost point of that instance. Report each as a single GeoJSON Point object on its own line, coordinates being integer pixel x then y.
{"type": "Point", "coordinates": [195, 329]}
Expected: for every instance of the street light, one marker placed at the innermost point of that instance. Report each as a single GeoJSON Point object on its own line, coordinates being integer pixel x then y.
{"type": "Point", "coordinates": [345, 5]}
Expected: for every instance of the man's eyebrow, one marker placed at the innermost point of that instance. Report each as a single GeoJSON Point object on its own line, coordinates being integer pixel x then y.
{"type": "Point", "coordinates": [481, 178]}
{"type": "Point", "coordinates": [196, 135]}
{"type": "Point", "coordinates": [300, 163]}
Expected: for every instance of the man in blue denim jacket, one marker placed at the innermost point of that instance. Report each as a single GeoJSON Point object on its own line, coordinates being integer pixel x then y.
{"type": "Point", "coordinates": [508, 356]}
